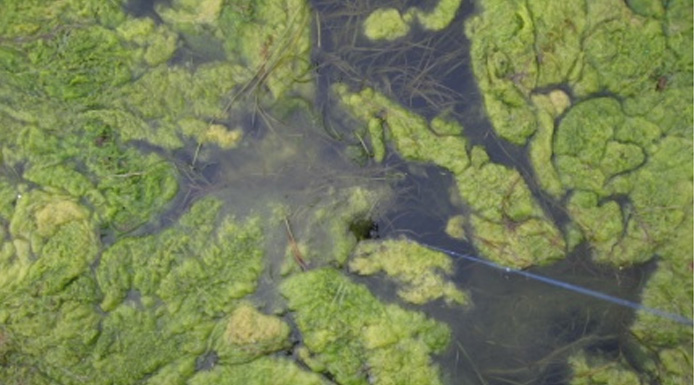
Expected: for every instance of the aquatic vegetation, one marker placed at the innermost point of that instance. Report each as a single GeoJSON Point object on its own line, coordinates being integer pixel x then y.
{"type": "Point", "coordinates": [355, 338]}
{"type": "Point", "coordinates": [265, 370]}
{"type": "Point", "coordinates": [106, 266]}
{"type": "Point", "coordinates": [421, 272]}
{"type": "Point", "coordinates": [622, 163]}
{"type": "Point", "coordinates": [390, 24]}
{"type": "Point", "coordinates": [597, 370]}
{"type": "Point", "coordinates": [328, 235]}
{"type": "Point", "coordinates": [385, 23]}
{"type": "Point", "coordinates": [509, 226]}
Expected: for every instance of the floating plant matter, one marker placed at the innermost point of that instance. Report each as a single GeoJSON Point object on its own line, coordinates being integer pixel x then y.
{"type": "Point", "coordinates": [194, 192]}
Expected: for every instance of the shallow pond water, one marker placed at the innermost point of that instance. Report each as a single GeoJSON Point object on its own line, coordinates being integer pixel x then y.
{"type": "Point", "coordinates": [264, 189]}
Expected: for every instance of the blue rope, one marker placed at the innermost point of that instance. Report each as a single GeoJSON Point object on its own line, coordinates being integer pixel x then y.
{"type": "Point", "coordinates": [564, 285]}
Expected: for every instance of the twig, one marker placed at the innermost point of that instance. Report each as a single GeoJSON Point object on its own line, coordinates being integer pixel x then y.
{"type": "Point", "coordinates": [295, 249]}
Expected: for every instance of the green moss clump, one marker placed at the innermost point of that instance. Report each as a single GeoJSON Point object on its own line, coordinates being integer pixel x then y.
{"type": "Point", "coordinates": [247, 335]}
{"type": "Point", "coordinates": [455, 227]}
{"type": "Point", "coordinates": [599, 149]}
{"type": "Point", "coordinates": [626, 53]}
{"type": "Point", "coordinates": [549, 107]}
{"type": "Point", "coordinates": [348, 333]}
{"type": "Point", "coordinates": [421, 272]}
{"type": "Point", "coordinates": [156, 43]}
{"type": "Point", "coordinates": [602, 224]}
{"type": "Point", "coordinates": [59, 238]}
{"type": "Point", "coordinates": [410, 133]}
{"type": "Point", "coordinates": [247, 326]}
{"type": "Point", "coordinates": [591, 47]}
{"type": "Point", "coordinates": [82, 64]}
{"type": "Point", "coordinates": [505, 65]}
{"type": "Point", "coordinates": [185, 14]}
{"type": "Point", "coordinates": [125, 186]}
{"type": "Point", "coordinates": [161, 269]}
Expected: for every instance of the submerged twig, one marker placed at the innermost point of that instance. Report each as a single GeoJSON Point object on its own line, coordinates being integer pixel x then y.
{"type": "Point", "coordinates": [295, 248]}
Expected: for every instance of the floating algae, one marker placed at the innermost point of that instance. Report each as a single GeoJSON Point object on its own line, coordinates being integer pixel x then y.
{"type": "Point", "coordinates": [586, 87]}
{"type": "Point", "coordinates": [139, 229]}
{"type": "Point", "coordinates": [510, 227]}
{"type": "Point", "coordinates": [419, 270]}
{"type": "Point", "coordinates": [105, 279]}
{"type": "Point", "coordinates": [349, 333]}
{"type": "Point", "coordinates": [390, 24]}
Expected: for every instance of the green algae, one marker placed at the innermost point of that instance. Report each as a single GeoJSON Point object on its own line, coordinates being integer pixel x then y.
{"type": "Point", "coordinates": [160, 295]}
{"type": "Point", "coordinates": [76, 96]}
{"type": "Point", "coordinates": [174, 298]}
{"type": "Point", "coordinates": [541, 153]}
{"type": "Point", "coordinates": [509, 226]}
{"type": "Point", "coordinates": [390, 24]}
{"type": "Point", "coordinates": [385, 23]}
{"type": "Point", "coordinates": [273, 38]}
{"type": "Point", "coordinates": [598, 370]}
{"type": "Point", "coordinates": [590, 47]}
{"type": "Point", "coordinates": [438, 18]}
{"type": "Point", "coordinates": [357, 339]}
{"type": "Point", "coordinates": [265, 370]}
{"type": "Point", "coordinates": [421, 272]}
{"type": "Point", "coordinates": [620, 160]}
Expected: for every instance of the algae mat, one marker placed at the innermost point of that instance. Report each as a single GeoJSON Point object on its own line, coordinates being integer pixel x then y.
{"type": "Point", "coordinates": [197, 192]}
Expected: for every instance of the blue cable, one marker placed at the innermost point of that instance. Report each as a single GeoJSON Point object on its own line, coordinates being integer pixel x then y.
{"type": "Point", "coordinates": [568, 286]}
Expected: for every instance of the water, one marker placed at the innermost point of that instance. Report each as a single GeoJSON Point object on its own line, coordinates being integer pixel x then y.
{"type": "Point", "coordinates": [520, 329]}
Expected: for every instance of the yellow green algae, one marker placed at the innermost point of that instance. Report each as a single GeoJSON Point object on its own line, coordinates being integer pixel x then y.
{"type": "Point", "coordinates": [391, 24]}
{"type": "Point", "coordinates": [618, 152]}
{"type": "Point", "coordinates": [385, 23]}
{"type": "Point", "coordinates": [420, 272]}
{"type": "Point", "coordinates": [509, 226]}
{"type": "Point", "coordinates": [356, 338]}
{"type": "Point", "coordinates": [97, 287]}
{"type": "Point", "coordinates": [600, 95]}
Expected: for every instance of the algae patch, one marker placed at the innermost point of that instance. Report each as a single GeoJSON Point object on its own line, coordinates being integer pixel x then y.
{"type": "Point", "coordinates": [421, 272]}
{"type": "Point", "coordinates": [391, 24]}
{"type": "Point", "coordinates": [509, 226]}
{"type": "Point", "coordinates": [348, 333]}
{"type": "Point", "coordinates": [607, 147]}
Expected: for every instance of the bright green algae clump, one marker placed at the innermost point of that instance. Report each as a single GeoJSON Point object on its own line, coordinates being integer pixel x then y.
{"type": "Point", "coordinates": [390, 24]}
{"type": "Point", "coordinates": [356, 338]}
{"type": "Point", "coordinates": [418, 269]}
{"type": "Point", "coordinates": [509, 226]}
